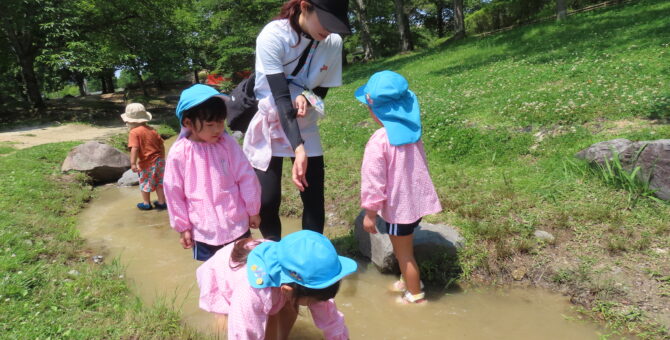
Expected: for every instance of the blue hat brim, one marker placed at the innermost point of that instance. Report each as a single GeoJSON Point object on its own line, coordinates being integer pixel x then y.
{"type": "Point", "coordinates": [262, 264]}
{"type": "Point", "coordinates": [360, 94]}
{"type": "Point", "coordinates": [196, 95]}
{"type": "Point", "coordinates": [348, 266]}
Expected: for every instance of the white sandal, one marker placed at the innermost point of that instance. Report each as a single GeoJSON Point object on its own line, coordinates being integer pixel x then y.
{"type": "Point", "coordinates": [409, 298]}
{"type": "Point", "coordinates": [400, 286]}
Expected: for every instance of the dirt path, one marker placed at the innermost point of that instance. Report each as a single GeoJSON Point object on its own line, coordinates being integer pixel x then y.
{"type": "Point", "coordinates": [28, 137]}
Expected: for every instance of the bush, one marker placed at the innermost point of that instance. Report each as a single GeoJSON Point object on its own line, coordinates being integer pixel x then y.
{"type": "Point", "coordinates": [501, 14]}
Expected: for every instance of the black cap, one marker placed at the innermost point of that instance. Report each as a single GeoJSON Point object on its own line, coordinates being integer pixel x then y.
{"type": "Point", "coordinates": [333, 15]}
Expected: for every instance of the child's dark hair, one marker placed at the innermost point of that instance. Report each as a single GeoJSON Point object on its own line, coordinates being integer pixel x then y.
{"type": "Point", "coordinates": [291, 11]}
{"type": "Point", "coordinates": [211, 110]}
{"type": "Point", "coordinates": [238, 258]}
{"type": "Point", "coordinates": [322, 294]}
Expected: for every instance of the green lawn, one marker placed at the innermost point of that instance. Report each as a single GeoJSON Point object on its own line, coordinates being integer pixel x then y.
{"type": "Point", "coordinates": [50, 287]}
{"type": "Point", "coordinates": [503, 117]}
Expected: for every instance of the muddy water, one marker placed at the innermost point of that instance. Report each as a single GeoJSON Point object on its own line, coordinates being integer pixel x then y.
{"type": "Point", "coordinates": [159, 269]}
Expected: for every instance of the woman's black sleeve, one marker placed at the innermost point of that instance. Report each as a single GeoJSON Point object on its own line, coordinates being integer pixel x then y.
{"type": "Point", "coordinates": [321, 91]}
{"type": "Point", "coordinates": [285, 109]}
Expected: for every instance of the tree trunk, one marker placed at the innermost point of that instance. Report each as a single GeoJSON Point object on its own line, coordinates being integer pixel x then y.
{"type": "Point", "coordinates": [403, 26]}
{"type": "Point", "coordinates": [27, 63]}
{"type": "Point", "coordinates": [439, 7]}
{"type": "Point", "coordinates": [103, 84]}
{"type": "Point", "coordinates": [81, 83]}
{"type": "Point", "coordinates": [561, 10]}
{"type": "Point", "coordinates": [196, 79]}
{"type": "Point", "coordinates": [459, 20]}
{"type": "Point", "coordinates": [361, 14]}
{"type": "Point", "coordinates": [142, 85]}
{"type": "Point", "coordinates": [109, 78]}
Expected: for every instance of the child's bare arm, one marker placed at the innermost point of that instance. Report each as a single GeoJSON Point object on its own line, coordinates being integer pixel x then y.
{"type": "Point", "coordinates": [133, 159]}
{"type": "Point", "coordinates": [369, 221]}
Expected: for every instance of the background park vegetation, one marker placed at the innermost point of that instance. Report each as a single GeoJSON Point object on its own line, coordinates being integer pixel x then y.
{"type": "Point", "coordinates": [503, 115]}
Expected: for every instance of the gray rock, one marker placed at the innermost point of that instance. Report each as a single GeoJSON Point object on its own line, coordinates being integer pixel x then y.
{"type": "Point", "coordinates": [432, 242]}
{"type": "Point", "coordinates": [128, 179]}
{"type": "Point", "coordinates": [599, 152]}
{"type": "Point", "coordinates": [544, 236]}
{"type": "Point", "coordinates": [99, 161]}
{"type": "Point", "coordinates": [653, 158]}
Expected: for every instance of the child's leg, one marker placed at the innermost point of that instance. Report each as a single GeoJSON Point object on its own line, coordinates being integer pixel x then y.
{"type": "Point", "coordinates": [403, 249]}
{"type": "Point", "coordinates": [146, 196]}
{"type": "Point", "coordinates": [160, 194]}
{"type": "Point", "coordinates": [220, 324]}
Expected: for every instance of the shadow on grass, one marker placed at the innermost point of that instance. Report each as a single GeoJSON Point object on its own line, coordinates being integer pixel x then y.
{"type": "Point", "coordinates": [571, 39]}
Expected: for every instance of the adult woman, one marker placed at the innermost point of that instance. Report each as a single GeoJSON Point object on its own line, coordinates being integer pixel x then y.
{"type": "Point", "coordinates": [300, 50]}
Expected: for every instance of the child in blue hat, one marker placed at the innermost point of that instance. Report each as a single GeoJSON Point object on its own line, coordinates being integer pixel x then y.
{"type": "Point", "coordinates": [395, 182]}
{"type": "Point", "coordinates": [212, 192]}
{"type": "Point", "coordinates": [256, 286]}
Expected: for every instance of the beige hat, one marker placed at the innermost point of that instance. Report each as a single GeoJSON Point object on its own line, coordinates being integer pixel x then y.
{"type": "Point", "coordinates": [135, 113]}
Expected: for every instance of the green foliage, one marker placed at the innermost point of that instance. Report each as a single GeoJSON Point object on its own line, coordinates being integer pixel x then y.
{"type": "Point", "coordinates": [50, 286]}
{"type": "Point", "coordinates": [502, 13]}
{"type": "Point", "coordinates": [68, 90]}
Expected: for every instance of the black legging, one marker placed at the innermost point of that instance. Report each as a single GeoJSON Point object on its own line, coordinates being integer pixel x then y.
{"type": "Point", "coordinates": [313, 215]}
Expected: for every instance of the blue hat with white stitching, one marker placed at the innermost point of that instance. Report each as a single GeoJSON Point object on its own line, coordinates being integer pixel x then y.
{"type": "Point", "coordinates": [304, 257]}
{"type": "Point", "coordinates": [194, 96]}
{"type": "Point", "coordinates": [387, 94]}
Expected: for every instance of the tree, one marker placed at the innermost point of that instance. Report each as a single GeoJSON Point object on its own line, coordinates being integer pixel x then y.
{"type": "Point", "coordinates": [561, 10]}
{"type": "Point", "coordinates": [459, 19]}
{"type": "Point", "coordinates": [25, 26]}
{"type": "Point", "coordinates": [359, 9]}
{"type": "Point", "coordinates": [406, 43]}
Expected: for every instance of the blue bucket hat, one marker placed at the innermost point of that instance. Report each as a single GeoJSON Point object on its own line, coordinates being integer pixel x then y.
{"type": "Point", "coordinates": [194, 96]}
{"type": "Point", "coordinates": [304, 257]}
{"type": "Point", "coordinates": [387, 94]}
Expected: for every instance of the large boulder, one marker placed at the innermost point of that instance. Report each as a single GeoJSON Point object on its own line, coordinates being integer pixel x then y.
{"type": "Point", "coordinates": [101, 162]}
{"type": "Point", "coordinates": [433, 243]}
{"type": "Point", "coordinates": [653, 158]}
{"type": "Point", "coordinates": [599, 152]}
{"type": "Point", "coordinates": [129, 179]}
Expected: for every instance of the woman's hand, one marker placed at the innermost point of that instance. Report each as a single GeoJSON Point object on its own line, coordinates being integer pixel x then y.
{"type": "Point", "coordinates": [301, 104]}
{"type": "Point", "coordinates": [300, 168]}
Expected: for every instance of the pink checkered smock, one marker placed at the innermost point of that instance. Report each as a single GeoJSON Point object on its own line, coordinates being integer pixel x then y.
{"type": "Point", "coordinates": [395, 181]}
{"type": "Point", "coordinates": [210, 188]}
{"type": "Point", "coordinates": [225, 290]}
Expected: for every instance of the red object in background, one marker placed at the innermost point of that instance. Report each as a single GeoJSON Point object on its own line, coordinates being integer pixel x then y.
{"type": "Point", "coordinates": [243, 74]}
{"type": "Point", "coordinates": [215, 79]}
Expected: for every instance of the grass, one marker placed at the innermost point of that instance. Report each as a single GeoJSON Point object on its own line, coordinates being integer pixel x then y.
{"type": "Point", "coordinates": [503, 115]}
{"type": "Point", "coordinates": [50, 287]}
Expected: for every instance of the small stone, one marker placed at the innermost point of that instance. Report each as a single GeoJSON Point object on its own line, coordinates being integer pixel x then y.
{"type": "Point", "coordinates": [97, 258]}
{"type": "Point", "coordinates": [544, 236]}
{"type": "Point", "coordinates": [518, 274]}
{"type": "Point", "coordinates": [73, 272]}
{"type": "Point", "coordinates": [660, 251]}
{"type": "Point", "coordinates": [28, 242]}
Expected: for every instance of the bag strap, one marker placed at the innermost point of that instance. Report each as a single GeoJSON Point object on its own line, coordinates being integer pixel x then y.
{"type": "Point", "coordinates": [303, 59]}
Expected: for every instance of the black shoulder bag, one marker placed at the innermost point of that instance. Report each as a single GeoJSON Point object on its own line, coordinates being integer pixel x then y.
{"type": "Point", "coordinates": [243, 104]}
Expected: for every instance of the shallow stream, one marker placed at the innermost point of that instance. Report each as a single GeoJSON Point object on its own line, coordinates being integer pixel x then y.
{"type": "Point", "coordinates": [158, 268]}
